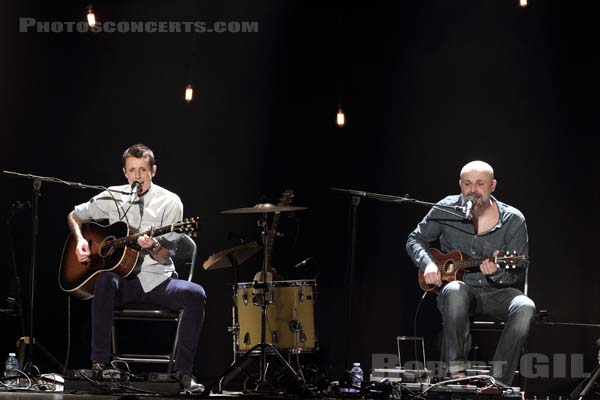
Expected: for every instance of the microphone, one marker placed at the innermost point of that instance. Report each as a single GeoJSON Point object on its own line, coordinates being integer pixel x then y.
{"type": "Point", "coordinates": [135, 187]}
{"type": "Point", "coordinates": [302, 263]}
{"type": "Point", "coordinates": [470, 202]}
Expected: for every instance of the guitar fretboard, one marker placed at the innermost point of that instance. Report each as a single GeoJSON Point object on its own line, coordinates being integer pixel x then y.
{"type": "Point", "coordinates": [475, 262]}
{"type": "Point", "coordinates": [131, 240]}
{"type": "Point", "coordinates": [470, 263]}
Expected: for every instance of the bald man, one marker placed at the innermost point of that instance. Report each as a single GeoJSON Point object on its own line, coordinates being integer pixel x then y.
{"type": "Point", "coordinates": [491, 227]}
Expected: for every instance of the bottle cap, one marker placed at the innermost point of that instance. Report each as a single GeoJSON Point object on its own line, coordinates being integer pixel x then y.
{"type": "Point", "coordinates": [12, 354]}
{"type": "Point", "coordinates": [356, 364]}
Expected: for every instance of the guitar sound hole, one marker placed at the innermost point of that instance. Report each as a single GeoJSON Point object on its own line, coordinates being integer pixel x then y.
{"type": "Point", "coordinates": [106, 249]}
{"type": "Point", "coordinates": [103, 251]}
{"type": "Point", "coordinates": [449, 267]}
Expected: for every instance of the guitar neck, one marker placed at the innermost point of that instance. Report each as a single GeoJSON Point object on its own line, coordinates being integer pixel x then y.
{"type": "Point", "coordinates": [132, 239]}
{"type": "Point", "coordinates": [470, 263]}
{"type": "Point", "coordinates": [271, 239]}
{"type": "Point", "coordinates": [285, 199]}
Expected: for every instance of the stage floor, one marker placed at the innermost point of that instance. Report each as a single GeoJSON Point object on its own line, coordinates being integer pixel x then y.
{"type": "Point", "coordinates": [438, 395]}
{"type": "Point", "coordinates": [78, 385]}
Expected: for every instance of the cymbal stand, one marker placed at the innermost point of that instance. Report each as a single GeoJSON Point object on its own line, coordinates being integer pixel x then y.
{"type": "Point", "coordinates": [263, 345]}
{"type": "Point", "coordinates": [262, 382]}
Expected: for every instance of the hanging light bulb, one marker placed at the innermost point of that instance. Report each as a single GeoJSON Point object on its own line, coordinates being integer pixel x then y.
{"type": "Point", "coordinates": [189, 93]}
{"type": "Point", "coordinates": [91, 18]}
{"type": "Point", "coordinates": [340, 118]}
{"type": "Point", "coordinates": [523, 3]}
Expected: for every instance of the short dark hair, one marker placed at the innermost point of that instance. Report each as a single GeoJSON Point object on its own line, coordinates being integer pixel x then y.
{"type": "Point", "coordinates": [139, 151]}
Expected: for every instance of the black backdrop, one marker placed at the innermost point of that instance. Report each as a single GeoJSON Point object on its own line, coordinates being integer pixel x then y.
{"type": "Point", "coordinates": [426, 87]}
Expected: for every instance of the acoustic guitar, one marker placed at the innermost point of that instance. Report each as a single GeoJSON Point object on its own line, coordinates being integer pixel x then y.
{"type": "Point", "coordinates": [113, 248]}
{"type": "Point", "coordinates": [454, 265]}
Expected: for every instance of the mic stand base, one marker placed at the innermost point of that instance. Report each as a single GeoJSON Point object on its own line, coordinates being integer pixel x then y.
{"type": "Point", "coordinates": [26, 346]}
{"type": "Point", "coordinates": [580, 392]}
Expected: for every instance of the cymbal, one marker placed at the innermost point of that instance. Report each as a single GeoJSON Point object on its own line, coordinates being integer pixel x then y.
{"type": "Point", "coordinates": [263, 208]}
{"type": "Point", "coordinates": [241, 253]}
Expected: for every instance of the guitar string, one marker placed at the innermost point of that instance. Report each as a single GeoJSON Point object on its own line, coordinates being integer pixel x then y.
{"type": "Point", "coordinates": [188, 227]}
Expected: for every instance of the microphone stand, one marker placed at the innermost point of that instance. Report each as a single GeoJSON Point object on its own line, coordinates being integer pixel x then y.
{"type": "Point", "coordinates": [15, 303]}
{"type": "Point", "coordinates": [356, 196]}
{"type": "Point", "coordinates": [29, 341]}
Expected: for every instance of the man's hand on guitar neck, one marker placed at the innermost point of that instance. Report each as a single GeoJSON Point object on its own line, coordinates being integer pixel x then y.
{"type": "Point", "coordinates": [489, 267]}
{"type": "Point", "coordinates": [432, 275]}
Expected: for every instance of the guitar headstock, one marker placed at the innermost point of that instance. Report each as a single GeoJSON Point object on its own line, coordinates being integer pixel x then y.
{"type": "Point", "coordinates": [188, 225]}
{"type": "Point", "coordinates": [511, 260]}
{"type": "Point", "coordinates": [286, 197]}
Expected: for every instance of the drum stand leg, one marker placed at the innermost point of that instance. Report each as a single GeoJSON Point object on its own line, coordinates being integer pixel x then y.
{"type": "Point", "coordinates": [235, 333]}
{"type": "Point", "coordinates": [296, 326]}
{"type": "Point", "coordinates": [234, 329]}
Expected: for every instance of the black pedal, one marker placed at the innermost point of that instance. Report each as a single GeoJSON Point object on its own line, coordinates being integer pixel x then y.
{"type": "Point", "coordinates": [162, 377]}
{"type": "Point", "coordinates": [109, 381]}
{"type": "Point", "coordinates": [112, 375]}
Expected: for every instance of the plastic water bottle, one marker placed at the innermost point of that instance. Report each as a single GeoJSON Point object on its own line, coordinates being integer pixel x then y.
{"type": "Point", "coordinates": [357, 375]}
{"type": "Point", "coordinates": [12, 365]}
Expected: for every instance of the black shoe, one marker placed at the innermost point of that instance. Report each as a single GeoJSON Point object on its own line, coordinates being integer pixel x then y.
{"type": "Point", "coordinates": [98, 366]}
{"type": "Point", "coordinates": [188, 384]}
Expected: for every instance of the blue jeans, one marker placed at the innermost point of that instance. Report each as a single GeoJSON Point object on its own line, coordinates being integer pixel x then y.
{"type": "Point", "coordinates": [458, 301]}
{"type": "Point", "coordinates": [113, 291]}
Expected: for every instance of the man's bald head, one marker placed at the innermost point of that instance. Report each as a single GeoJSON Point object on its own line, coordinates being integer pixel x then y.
{"type": "Point", "coordinates": [477, 166]}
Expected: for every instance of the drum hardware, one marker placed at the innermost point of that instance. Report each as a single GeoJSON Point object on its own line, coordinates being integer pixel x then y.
{"type": "Point", "coordinates": [296, 327]}
{"type": "Point", "coordinates": [262, 382]}
{"type": "Point", "coordinates": [301, 296]}
{"type": "Point", "coordinates": [234, 329]}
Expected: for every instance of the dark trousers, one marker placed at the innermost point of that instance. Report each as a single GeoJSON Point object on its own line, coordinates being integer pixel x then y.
{"type": "Point", "coordinates": [113, 291]}
{"type": "Point", "coordinates": [458, 301]}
